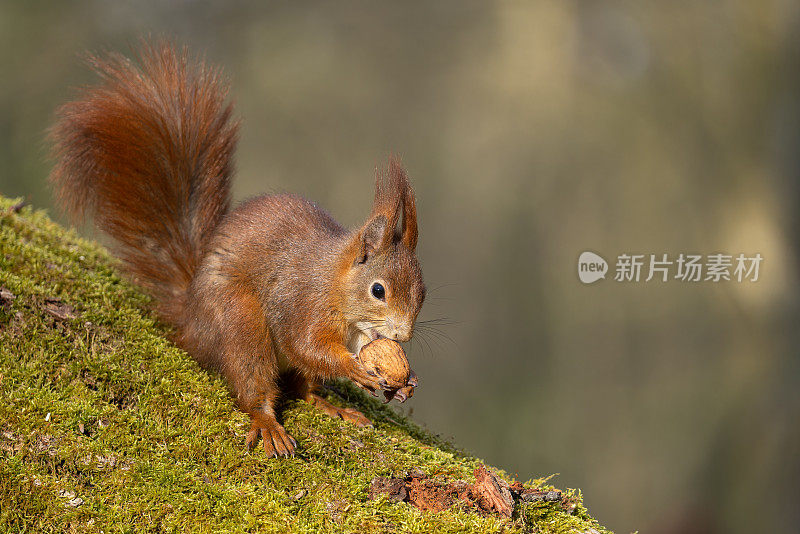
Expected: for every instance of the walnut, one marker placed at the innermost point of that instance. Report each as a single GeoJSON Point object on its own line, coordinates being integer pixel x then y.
{"type": "Point", "coordinates": [386, 359]}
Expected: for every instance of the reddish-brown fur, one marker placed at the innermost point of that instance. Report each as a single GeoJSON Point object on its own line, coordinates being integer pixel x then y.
{"type": "Point", "coordinates": [273, 288]}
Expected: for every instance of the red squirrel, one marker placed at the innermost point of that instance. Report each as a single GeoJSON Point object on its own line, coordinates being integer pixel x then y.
{"type": "Point", "coordinates": [273, 289]}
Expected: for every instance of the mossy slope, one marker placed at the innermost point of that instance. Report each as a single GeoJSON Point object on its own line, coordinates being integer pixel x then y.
{"type": "Point", "coordinates": [106, 426]}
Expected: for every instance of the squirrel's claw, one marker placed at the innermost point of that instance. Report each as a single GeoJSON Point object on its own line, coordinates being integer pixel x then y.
{"type": "Point", "coordinates": [363, 378]}
{"type": "Point", "coordinates": [404, 393]}
{"type": "Point", "coordinates": [368, 389]}
{"type": "Point", "coordinates": [400, 395]}
{"type": "Point", "coordinates": [412, 379]}
{"type": "Point", "coordinates": [275, 440]}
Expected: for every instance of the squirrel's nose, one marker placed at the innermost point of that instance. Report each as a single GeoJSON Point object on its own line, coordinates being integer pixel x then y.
{"type": "Point", "coordinates": [399, 330]}
{"type": "Point", "coordinates": [401, 335]}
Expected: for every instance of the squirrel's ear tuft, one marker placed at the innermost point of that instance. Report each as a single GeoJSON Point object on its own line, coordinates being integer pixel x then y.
{"type": "Point", "coordinates": [393, 197]}
{"type": "Point", "coordinates": [372, 237]}
{"type": "Point", "coordinates": [398, 177]}
{"type": "Point", "coordinates": [388, 203]}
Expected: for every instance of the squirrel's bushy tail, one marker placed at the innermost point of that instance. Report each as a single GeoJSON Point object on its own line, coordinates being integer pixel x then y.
{"type": "Point", "coordinates": [149, 152]}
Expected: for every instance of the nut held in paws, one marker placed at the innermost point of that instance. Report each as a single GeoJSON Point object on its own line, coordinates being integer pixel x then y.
{"type": "Point", "coordinates": [386, 359]}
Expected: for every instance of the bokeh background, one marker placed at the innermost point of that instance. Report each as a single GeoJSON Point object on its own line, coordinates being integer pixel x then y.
{"type": "Point", "coordinates": [532, 131]}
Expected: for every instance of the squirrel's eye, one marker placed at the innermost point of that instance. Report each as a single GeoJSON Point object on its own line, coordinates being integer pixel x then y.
{"type": "Point", "coordinates": [378, 291]}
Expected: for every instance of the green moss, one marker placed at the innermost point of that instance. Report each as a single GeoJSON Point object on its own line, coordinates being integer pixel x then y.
{"type": "Point", "coordinates": [107, 426]}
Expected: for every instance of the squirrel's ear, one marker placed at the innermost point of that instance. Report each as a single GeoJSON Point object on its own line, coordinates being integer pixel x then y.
{"type": "Point", "coordinates": [408, 233]}
{"type": "Point", "coordinates": [371, 237]}
{"type": "Point", "coordinates": [379, 231]}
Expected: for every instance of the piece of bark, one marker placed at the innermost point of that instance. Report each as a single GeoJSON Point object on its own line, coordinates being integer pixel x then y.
{"type": "Point", "coordinates": [492, 493]}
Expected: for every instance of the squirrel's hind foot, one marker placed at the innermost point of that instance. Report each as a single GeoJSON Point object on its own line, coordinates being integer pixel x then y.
{"type": "Point", "coordinates": [348, 414]}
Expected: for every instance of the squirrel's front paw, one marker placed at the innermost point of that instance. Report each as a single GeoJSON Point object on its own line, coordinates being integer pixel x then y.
{"type": "Point", "coordinates": [404, 393]}
{"type": "Point", "coordinates": [273, 436]}
{"type": "Point", "coordinates": [386, 362]}
{"type": "Point", "coordinates": [366, 379]}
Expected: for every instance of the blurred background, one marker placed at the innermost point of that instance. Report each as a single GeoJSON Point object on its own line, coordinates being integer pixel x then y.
{"type": "Point", "coordinates": [532, 131]}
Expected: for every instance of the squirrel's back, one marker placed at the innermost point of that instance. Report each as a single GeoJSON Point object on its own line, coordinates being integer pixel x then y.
{"type": "Point", "coordinates": [149, 153]}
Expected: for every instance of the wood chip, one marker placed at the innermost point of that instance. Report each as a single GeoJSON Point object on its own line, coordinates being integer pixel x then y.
{"type": "Point", "coordinates": [59, 310]}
